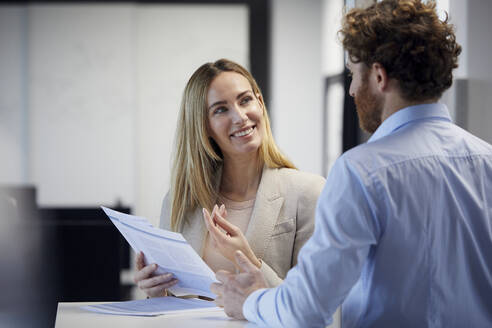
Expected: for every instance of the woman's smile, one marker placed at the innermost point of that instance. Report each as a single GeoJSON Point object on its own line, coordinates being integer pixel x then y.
{"type": "Point", "coordinates": [243, 133]}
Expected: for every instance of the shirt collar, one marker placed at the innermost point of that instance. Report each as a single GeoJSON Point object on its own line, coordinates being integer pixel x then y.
{"type": "Point", "coordinates": [409, 114]}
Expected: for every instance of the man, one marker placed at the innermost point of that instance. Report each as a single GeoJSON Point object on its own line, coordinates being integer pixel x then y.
{"type": "Point", "coordinates": [403, 232]}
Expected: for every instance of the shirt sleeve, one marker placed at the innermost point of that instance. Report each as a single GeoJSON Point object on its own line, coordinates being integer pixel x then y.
{"type": "Point", "coordinates": [330, 263]}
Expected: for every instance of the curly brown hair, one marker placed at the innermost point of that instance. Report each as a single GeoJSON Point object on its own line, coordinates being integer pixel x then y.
{"type": "Point", "coordinates": [407, 38]}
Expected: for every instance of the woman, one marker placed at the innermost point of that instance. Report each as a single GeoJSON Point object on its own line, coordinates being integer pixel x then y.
{"type": "Point", "coordinates": [225, 154]}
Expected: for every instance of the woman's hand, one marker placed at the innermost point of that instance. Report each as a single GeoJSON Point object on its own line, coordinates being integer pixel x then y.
{"type": "Point", "coordinates": [153, 286]}
{"type": "Point", "coordinates": [226, 237]}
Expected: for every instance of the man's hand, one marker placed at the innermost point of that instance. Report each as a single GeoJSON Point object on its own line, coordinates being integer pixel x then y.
{"type": "Point", "coordinates": [233, 289]}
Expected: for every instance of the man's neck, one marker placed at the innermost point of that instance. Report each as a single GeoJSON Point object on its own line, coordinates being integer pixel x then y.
{"type": "Point", "coordinates": [394, 103]}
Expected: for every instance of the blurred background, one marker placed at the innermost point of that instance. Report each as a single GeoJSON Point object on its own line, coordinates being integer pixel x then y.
{"type": "Point", "coordinates": [89, 95]}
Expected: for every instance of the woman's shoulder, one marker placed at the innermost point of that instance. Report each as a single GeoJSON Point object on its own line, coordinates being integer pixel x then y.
{"type": "Point", "coordinates": [299, 181]}
{"type": "Point", "coordinates": [300, 177]}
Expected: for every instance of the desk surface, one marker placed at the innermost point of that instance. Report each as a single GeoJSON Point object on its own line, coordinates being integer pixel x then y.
{"type": "Point", "coordinates": [71, 315]}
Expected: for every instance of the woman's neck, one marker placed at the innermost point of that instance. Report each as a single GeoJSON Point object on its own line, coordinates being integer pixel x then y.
{"type": "Point", "coordinates": [240, 178]}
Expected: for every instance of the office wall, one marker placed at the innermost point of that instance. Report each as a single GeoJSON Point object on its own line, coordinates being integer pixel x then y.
{"type": "Point", "coordinates": [458, 14]}
{"type": "Point", "coordinates": [470, 97]}
{"type": "Point", "coordinates": [81, 103]}
{"type": "Point", "coordinates": [12, 100]}
{"type": "Point", "coordinates": [297, 83]}
{"type": "Point", "coordinates": [479, 50]}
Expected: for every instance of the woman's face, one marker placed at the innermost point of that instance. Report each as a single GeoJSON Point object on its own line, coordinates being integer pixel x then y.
{"type": "Point", "coordinates": [235, 115]}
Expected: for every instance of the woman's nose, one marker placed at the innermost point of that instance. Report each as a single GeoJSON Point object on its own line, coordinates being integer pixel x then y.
{"type": "Point", "coordinates": [239, 115]}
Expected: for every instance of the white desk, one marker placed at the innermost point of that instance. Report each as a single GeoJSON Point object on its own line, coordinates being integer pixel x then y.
{"type": "Point", "coordinates": [70, 315]}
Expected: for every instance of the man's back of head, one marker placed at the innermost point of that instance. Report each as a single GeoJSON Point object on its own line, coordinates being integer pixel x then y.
{"type": "Point", "coordinates": [409, 40]}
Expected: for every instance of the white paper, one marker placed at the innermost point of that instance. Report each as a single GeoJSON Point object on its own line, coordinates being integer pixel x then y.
{"type": "Point", "coordinates": [169, 250]}
{"type": "Point", "coordinates": [154, 306]}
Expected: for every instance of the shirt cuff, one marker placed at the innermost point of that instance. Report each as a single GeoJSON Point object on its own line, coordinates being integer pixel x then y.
{"type": "Point", "coordinates": [250, 306]}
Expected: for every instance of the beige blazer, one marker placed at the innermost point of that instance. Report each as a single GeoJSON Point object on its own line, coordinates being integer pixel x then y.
{"type": "Point", "coordinates": [281, 222]}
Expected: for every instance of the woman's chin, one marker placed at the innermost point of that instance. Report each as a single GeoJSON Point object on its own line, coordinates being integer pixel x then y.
{"type": "Point", "coordinates": [245, 150]}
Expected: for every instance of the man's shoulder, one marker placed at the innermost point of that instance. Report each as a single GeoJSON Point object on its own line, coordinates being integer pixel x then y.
{"type": "Point", "coordinates": [367, 157]}
{"type": "Point", "coordinates": [415, 144]}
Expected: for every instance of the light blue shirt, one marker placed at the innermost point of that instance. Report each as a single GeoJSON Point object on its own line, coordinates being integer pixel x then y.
{"type": "Point", "coordinates": [403, 234]}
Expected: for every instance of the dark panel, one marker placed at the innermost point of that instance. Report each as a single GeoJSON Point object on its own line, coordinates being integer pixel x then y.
{"type": "Point", "coordinates": [89, 253]}
{"type": "Point", "coordinates": [259, 45]}
{"type": "Point", "coordinates": [351, 131]}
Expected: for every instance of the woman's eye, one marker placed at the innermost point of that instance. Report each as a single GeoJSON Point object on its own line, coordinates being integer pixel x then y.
{"type": "Point", "coordinates": [246, 100]}
{"type": "Point", "coordinates": [219, 110]}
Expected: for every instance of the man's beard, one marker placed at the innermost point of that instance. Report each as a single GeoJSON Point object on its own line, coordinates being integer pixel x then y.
{"type": "Point", "coordinates": [369, 108]}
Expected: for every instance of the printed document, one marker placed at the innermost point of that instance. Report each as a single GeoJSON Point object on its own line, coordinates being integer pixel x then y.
{"type": "Point", "coordinates": [154, 306]}
{"type": "Point", "coordinates": [169, 250]}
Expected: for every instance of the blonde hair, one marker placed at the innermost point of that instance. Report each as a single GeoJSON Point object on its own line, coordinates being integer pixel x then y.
{"type": "Point", "coordinates": [197, 159]}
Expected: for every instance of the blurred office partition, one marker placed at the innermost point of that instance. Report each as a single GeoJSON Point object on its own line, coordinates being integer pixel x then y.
{"type": "Point", "coordinates": [456, 99]}
{"type": "Point", "coordinates": [28, 280]}
{"type": "Point", "coordinates": [50, 255]}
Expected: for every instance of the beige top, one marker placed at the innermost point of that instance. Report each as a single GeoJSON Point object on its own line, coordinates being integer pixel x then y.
{"type": "Point", "coordinates": [239, 214]}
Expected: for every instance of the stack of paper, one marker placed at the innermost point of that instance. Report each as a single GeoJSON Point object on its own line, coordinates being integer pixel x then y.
{"type": "Point", "coordinates": [154, 306]}
{"type": "Point", "coordinates": [169, 250]}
